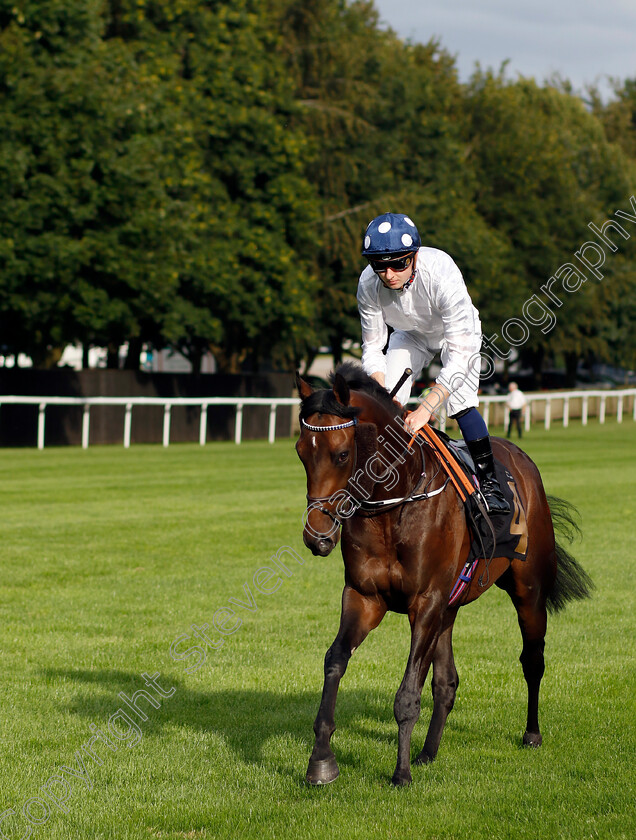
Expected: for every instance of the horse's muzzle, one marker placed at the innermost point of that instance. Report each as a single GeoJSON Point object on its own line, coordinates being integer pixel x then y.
{"type": "Point", "coordinates": [322, 529]}
{"type": "Point", "coordinates": [320, 547]}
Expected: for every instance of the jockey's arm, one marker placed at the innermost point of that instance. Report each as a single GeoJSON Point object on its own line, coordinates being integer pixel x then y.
{"type": "Point", "coordinates": [379, 377]}
{"type": "Point", "coordinates": [429, 404]}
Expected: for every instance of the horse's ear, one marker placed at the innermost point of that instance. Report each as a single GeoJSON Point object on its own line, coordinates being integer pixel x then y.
{"type": "Point", "coordinates": [304, 388]}
{"type": "Point", "coordinates": [341, 389]}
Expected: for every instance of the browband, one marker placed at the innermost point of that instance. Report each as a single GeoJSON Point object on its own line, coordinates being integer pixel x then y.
{"type": "Point", "coordinates": [329, 428]}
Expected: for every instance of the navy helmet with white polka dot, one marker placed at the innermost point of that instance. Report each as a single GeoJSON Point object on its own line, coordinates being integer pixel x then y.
{"type": "Point", "coordinates": [390, 233]}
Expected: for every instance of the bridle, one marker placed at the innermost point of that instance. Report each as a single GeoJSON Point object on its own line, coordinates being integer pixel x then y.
{"type": "Point", "coordinates": [370, 507]}
{"type": "Point", "coordinates": [335, 428]}
{"type": "Point", "coordinates": [320, 499]}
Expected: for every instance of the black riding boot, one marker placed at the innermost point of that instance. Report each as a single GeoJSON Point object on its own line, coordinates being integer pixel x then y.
{"type": "Point", "coordinates": [481, 452]}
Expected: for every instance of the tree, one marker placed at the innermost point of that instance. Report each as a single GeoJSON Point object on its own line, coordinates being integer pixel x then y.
{"type": "Point", "coordinates": [158, 196]}
{"type": "Point", "coordinates": [382, 139]}
{"type": "Point", "coordinates": [91, 229]}
{"type": "Point", "coordinates": [545, 170]}
{"type": "Point", "coordinates": [199, 175]}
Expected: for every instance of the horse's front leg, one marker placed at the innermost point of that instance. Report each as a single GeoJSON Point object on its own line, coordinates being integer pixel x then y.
{"type": "Point", "coordinates": [425, 618]}
{"type": "Point", "coordinates": [444, 687]}
{"type": "Point", "coordinates": [359, 616]}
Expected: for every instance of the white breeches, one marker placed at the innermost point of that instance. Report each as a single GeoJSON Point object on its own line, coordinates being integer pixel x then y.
{"type": "Point", "coordinates": [404, 352]}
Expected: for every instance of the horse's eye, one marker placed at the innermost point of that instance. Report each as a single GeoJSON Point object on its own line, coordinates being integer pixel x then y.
{"type": "Point", "coordinates": [343, 457]}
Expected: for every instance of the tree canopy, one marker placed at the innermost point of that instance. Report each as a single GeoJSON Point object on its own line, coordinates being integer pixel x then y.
{"type": "Point", "coordinates": [198, 175]}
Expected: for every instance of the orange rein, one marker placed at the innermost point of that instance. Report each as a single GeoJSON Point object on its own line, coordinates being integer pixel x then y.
{"type": "Point", "coordinates": [461, 482]}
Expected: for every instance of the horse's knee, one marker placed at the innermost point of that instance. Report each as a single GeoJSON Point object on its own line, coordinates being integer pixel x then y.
{"type": "Point", "coordinates": [407, 706]}
{"type": "Point", "coordinates": [336, 660]}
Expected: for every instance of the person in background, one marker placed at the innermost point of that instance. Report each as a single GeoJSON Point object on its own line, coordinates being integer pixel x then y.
{"type": "Point", "coordinates": [421, 293]}
{"type": "Point", "coordinates": [515, 402]}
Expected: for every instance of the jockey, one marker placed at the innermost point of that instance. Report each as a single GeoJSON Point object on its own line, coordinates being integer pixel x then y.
{"type": "Point", "coordinates": [421, 294]}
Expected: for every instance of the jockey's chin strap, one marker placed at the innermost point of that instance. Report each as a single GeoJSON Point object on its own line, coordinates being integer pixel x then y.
{"type": "Point", "coordinates": [409, 282]}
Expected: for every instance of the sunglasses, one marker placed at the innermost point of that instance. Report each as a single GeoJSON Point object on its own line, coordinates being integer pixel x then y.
{"type": "Point", "coordinates": [397, 264]}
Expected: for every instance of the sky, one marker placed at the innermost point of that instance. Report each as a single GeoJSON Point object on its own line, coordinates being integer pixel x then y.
{"type": "Point", "coordinates": [582, 40]}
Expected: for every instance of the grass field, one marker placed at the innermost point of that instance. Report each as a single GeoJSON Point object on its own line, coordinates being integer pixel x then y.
{"type": "Point", "coordinates": [110, 555]}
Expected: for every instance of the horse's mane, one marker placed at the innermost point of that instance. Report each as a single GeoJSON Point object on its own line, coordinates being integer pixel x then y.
{"type": "Point", "coordinates": [358, 380]}
{"type": "Point", "coordinates": [325, 402]}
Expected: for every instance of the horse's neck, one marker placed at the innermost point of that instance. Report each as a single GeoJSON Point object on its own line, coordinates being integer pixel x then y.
{"type": "Point", "coordinates": [406, 463]}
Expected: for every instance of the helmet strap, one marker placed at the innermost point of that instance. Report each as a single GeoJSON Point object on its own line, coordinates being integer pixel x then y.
{"type": "Point", "coordinates": [409, 282]}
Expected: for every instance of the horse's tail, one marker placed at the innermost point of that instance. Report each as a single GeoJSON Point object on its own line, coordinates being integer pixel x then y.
{"type": "Point", "coordinates": [572, 582]}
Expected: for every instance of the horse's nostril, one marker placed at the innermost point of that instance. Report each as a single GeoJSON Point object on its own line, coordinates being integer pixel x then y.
{"type": "Point", "coordinates": [322, 547]}
{"type": "Point", "coordinates": [325, 546]}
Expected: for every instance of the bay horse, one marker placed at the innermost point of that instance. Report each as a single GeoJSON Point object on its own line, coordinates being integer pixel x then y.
{"type": "Point", "coordinates": [405, 555]}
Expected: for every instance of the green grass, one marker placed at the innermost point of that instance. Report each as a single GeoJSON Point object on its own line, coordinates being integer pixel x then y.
{"type": "Point", "coordinates": [109, 555]}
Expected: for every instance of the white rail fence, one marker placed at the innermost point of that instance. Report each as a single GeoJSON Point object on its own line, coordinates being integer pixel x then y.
{"type": "Point", "coordinates": [488, 405]}
{"type": "Point", "coordinates": [563, 400]}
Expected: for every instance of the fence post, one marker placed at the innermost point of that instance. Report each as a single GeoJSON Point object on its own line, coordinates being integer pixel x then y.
{"type": "Point", "coordinates": [272, 423]}
{"type": "Point", "coordinates": [203, 424]}
{"type": "Point", "coordinates": [238, 431]}
{"type": "Point", "coordinates": [528, 415]}
{"type": "Point", "coordinates": [601, 414]}
{"type": "Point", "coordinates": [566, 412]}
{"type": "Point", "coordinates": [584, 411]}
{"type": "Point", "coordinates": [486, 411]}
{"type": "Point", "coordinates": [127, 425]}
{"type": "Point", "coordinates": [41, 421]}
{"type": "Point", "coordinates": [86, 422]}
{"type": "Point", "coordinates": [166, 424]}
{"type": "Point", "coordinates": [619, 409]}
{"type": "Point", "coordinates": [548, 407]}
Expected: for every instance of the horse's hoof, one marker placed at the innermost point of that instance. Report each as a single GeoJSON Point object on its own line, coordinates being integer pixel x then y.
{"type": "Point", "coordinates": [322, 772]}
{"type": "Point", "coordinates": [424, 758]}
{"type": "Point", "coordinates": [532, 739]}
{"type": "Point", "coordinates": [401, 779]}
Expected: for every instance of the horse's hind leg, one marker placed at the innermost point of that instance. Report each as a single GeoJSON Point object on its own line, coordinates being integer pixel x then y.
{"type": "Point", "coordinates": [532, 622]}
{"type": "Point", "coordinates": [444, 687]}
{"type": "Point", "coordinates": [530, 604]}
